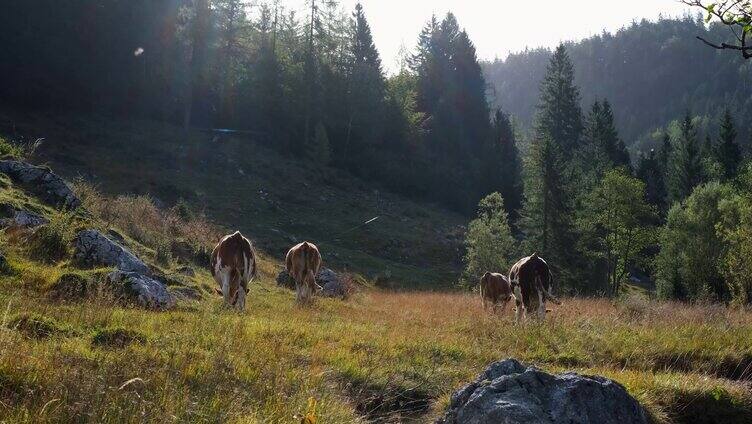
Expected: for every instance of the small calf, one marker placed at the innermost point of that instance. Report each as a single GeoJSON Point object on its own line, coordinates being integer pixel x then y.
{"type": "Point", "coordinates": [495, 289]}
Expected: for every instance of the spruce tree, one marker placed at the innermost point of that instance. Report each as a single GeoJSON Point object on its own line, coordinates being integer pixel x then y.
{"type": "Point", "coordinates": [548, 213]}
{"type": "Point", "coordinates": [685, 170]}
{"type": "Point", "coordinates": [728, 153]}
{"type": "Point", "coordinates": [650, 171]}
{"type": "Point", "coordinates": [558, 116]}
{"type": "Point", "coordinates": [503, 167]}
{"type": "Point", "coordinates": [612, 143]}
{"type": "Point", "coordinates": [365, 86]}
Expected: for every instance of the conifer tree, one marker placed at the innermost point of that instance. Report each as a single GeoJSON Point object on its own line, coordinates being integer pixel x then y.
{"type": "Point", "coordinates": [547, 215]}
{"type": "Point", "coordinates": [685, 170]}
{"type": "Point", "coordinates": [650, 171]}
{"type": "Point", "coordinates": [365, 86]}
{"type": "Point", "coordinates": [728, 153]}
{"type": "Point", "coordinates": [558, 116]}
{"type": "Point", "coordinates": [503, 165]}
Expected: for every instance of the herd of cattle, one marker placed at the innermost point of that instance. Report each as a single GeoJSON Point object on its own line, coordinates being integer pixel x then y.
{"type": "Point", "coordinates": [233, 266]}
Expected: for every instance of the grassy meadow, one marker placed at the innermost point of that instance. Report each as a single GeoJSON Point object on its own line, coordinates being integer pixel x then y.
{"type": "Point", "coordinates": [69, 352]}
{"type": "Point", "coordinates": [378, 357]}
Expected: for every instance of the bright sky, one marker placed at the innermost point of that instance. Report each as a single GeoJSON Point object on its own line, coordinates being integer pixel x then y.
{"type": "Point", "coordinates": [498, 27]}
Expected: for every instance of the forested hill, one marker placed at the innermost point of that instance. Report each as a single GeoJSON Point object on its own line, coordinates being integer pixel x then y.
{"type": "Point", "coordinates": [651, 72]}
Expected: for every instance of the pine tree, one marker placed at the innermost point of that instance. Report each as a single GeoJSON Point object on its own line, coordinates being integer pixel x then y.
{"type": "Point", "coordinates": [547, 215]}
{"type": "Point", "coordinates": [365, 86]}
{"type": "Point", "coordinates": [503, 165]}
{"type": "Point", "coordinates": [489, 242]}
{"type": "Point", "coordinates": [650, 171]}
{"type": "Point", "coordinates": [685, 170]}
{"type": "Point", "coordinates": [728, 153]}
{"type": "Point", "coordinates": [558, 116]}
{"type": "Point", "coordinates": [613, 144]}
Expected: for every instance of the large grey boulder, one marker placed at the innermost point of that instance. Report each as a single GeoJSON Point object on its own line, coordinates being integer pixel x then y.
{"type": "Point", "coordinates": [331, 284]}
{"type": "Point", "coordinates": [507, 392]}
{"type": "Point", "coordinates": [42, 181]}
{"type": "Point", "coordinates": [23, 219]}
{"type": "Point", "coordinates": [141, 290]}
{"type": "Point", "coordinates": [329, 281]}
{"type": "Point", "coordinates": [93, 248]}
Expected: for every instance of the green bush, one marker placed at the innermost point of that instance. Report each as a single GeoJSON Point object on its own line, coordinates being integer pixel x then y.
{"type": "Point", "coordinates": [691, 249]}
{"type": "Point", "coordinates": [163, 252]}
{"type": "Point", "coordinates": [489, 242]}
{"type": "Point", "coordinates": [8, 149]}
{"type": "Point", "coordinates": [51, 242]}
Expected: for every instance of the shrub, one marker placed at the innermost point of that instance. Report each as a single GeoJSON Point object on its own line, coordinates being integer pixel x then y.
{"type": "Point", "coordinates": [51, 242]}
{"type": "Point", "coordinates": [691, 248]}
{"type": "Point", "coordinates": [489, 242]}
{"type": "Point", "coordinates": [140, 219]}
{"type": "Point", "coordinates": [163, 253]}
{"type": "Point", "coordinates": [117, 338]}
{"type": "Point", "coordinates": [8, 149]}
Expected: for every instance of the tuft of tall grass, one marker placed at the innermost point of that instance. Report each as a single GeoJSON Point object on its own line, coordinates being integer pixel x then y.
{"type": "Point", "coordinates": [143, 221]}
{"type": "Point", "coordinates": [52, 242]}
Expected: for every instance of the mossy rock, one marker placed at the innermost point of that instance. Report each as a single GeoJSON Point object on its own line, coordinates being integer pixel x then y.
{"type": "Point", "coordinates": [117, 338]}
{"type": "Point", "coordinates": [37, 326]}
{"type": "Point", "coordinates": [72, 287]}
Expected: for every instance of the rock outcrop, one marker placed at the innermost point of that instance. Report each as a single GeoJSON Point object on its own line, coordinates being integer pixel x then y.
{"type": "Point", "coordinates": [23, 219]}
{"type": "Point", "coordinates": [42, 181]}
{"type": "Point", "coordinates": [146, 292]}
{"type": "Point", "coordinates": [510, 393]}
{"type": "Point", "coordinates": [93, 248]}
{"type": "Point", "coordinates": [330, 282]}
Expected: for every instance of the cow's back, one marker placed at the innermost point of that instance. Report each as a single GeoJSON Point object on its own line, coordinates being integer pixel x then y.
{"type": "Point", "coordinates": [302, 259]}
{"type": "Point", "coordinates": [234, 251]}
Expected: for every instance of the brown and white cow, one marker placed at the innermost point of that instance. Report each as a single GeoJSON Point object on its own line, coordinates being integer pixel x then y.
{"type": "Point", "coordinates": [303, 262]}
{"type": "Point", "coordinates": [233, 266]}
{"type": "Point", "coordinates": [531, 280]}
{"type": "Point", "coordinates": [495, 289]}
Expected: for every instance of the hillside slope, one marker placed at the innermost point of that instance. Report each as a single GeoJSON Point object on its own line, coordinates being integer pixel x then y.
{"type": "Point", "coordinates": [651, 72]}
{"type": "Point", "coordinates": [240, 184]}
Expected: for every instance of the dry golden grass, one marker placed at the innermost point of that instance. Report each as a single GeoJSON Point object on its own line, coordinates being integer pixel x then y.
{"type": "Point", "coordinates": [358, 359]}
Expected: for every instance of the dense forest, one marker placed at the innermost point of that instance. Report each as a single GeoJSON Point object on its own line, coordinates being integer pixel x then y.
{"type": "Point", "coordinates": [310, 84]}
{"type": "Point", "coordinates": [653, 72]}
{"type": "Point", "coordinates": [675, 211]}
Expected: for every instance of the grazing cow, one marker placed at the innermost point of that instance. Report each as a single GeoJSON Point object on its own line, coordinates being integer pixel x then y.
{"type": "Point", "coordinates": [303, 262]}
{"type": "Point", "coordinates": [495, 289]}
{"type": "Point", "coordinates": [531, 280]}
{"type": "Point", "coordinates": [233, 266]}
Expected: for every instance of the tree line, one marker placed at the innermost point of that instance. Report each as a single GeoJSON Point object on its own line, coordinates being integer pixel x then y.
{"type": "Point", "coordinates": [679, 215]}
{"type": "Point", "coordinates": [308, 83]}
{"type": "Point", "coordinates": [653, 70]}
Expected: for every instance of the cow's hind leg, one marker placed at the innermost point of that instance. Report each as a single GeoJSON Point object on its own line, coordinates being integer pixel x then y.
{"type": "Point", "coordinates": [224, 282]}
{"type": "Point", "coordinates": [240, 298]}
{"type": "Point", "coordinates": [519, 312]}
{"type": "Point", "coordinates": [541, 306]}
